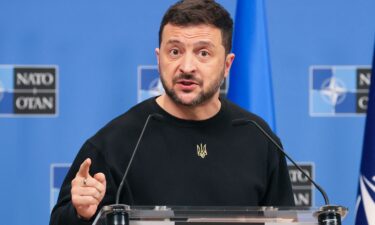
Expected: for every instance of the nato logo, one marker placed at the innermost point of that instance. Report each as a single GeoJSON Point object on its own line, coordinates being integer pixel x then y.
{"type": "Point", "coordinates": [57, 175]}
{"type": "Point", "coordinates": [149, 84]}
{"type": "Point", "coordinates": [28, 90]}
{"type": "Point", "coordinates": [301, 186]}
{"type": "Point", "coordinates": [339, 90]}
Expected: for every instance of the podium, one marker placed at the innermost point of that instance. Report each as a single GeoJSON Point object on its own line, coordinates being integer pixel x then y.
{"type": "Point", "coordinates": [183, 215]}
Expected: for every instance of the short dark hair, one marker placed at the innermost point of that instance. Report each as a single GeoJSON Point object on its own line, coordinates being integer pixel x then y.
{"type": "Point", "coordinates": [195, 12]}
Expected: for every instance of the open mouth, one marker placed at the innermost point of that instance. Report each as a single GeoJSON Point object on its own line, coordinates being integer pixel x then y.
{"type": "Point", "coordinates": [187, 82]}
{"type": "Point", "coordinates": [187, 85]}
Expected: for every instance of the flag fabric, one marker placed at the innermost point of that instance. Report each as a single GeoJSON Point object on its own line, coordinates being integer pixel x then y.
{"type": "Point", "coordinates": [250, 84]}
{"type": "Point", "coordinates": [365, 207]}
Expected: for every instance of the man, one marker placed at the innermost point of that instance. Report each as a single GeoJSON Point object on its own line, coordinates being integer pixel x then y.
{"type": "Point", "coordinates": [194, 155]}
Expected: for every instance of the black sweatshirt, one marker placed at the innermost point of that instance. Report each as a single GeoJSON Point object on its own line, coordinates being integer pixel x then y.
{"type": "Point", "coordinates": [181, 162]}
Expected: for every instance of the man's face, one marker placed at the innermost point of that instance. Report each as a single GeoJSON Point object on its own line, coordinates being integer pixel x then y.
{"type": "Point", "coordinates": [192, 63]}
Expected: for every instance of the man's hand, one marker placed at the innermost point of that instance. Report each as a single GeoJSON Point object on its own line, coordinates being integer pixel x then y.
{"type": "Point", "coordinates": [87, 191]}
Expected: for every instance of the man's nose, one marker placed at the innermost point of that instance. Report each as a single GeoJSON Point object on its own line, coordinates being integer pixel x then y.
{"type": "Point", "coordinates": [188, 64]}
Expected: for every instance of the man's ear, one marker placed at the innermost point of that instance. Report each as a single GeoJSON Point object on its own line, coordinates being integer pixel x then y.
{"type": "Point", "coordinates": [157, 52]}
{"type": "Point", "coordinates": [228, 63]}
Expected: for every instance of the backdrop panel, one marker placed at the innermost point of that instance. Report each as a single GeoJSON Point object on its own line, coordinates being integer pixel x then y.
{"type": "Point", "coordinates": [97, 47]}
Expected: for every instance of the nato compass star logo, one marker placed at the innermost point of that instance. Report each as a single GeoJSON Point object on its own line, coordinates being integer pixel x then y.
{"type": "Point", "coordinates": [156, 87]}
{"type": "Point", "coordinates": [367, 188]}
{"type": "Point", "coordinates": [149, 84]}
{"type": "Point", "coordinates": [333, 91]}
{"type": "Point", "coordinates": [339, 90]}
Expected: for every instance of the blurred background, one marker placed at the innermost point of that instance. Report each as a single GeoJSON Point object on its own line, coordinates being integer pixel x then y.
{"type": "Point", "coordinates": [82, 63]}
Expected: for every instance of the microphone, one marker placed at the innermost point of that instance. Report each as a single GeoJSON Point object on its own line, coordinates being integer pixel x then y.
{"type": "Point", "coordinates": [119, 216]}
{"type": "Point", "coordinates": [155, 116]}
{"type": "Point", "coordinates": [238, 122]}
{"type": "Point", "coordinates": [328, 214]}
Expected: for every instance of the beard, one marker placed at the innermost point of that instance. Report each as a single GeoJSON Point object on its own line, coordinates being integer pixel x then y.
{"type": "Point", "coordinates": [201, 97]}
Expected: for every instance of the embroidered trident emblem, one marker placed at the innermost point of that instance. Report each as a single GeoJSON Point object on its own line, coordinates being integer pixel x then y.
{"type": "Point", "coordinates": [202, 150]}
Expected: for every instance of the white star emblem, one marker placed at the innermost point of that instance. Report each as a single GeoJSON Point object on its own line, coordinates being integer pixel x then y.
{"type": "Point", "coordinates": [333, 91]}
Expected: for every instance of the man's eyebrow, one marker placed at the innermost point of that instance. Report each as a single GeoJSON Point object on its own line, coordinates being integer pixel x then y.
{"type": "Point", "coordinates": [173, 41]}
{"type": "Point", "coordinates": [205, 43]}
{"type": "Point", "coordinates": [199, 43]}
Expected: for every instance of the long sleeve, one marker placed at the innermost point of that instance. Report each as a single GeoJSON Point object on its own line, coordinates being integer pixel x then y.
{"type": "Point", "coordinates": [64, 212]}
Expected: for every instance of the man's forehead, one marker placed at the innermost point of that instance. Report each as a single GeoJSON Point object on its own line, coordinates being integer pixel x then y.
{"type": "Point", "coordinates": [201, 33]}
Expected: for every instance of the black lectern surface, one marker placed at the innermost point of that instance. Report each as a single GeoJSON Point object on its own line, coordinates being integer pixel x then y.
{"type": "Point", "coordinates": [182, 215]}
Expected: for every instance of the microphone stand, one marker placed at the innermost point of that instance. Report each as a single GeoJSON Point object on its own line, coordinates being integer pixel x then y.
{"type": "Point", "coordinates": [327, 214]}
{"type": "Point", "coordinates": [119, 216]}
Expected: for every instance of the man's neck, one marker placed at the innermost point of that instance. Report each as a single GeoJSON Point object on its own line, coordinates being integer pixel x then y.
{"type": "Point", "coordinates": [200, 112]}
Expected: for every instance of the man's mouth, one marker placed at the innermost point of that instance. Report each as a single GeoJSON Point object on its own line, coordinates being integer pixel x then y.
{"type": "Point", "coordinates": [187, 82]}
{"type": "Point", "coordinates": [187, 85]}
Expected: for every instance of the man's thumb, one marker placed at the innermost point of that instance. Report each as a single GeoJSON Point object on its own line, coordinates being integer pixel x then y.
{"type": "Point", "coordinates": [100, 177]}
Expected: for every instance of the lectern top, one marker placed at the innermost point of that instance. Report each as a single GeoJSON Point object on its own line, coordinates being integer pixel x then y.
{"type": "Point", "coordinates": [174, 215]}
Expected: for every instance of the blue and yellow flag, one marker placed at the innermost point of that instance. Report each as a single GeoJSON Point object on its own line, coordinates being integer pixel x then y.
{"type": "Point", "coordinates": [365, 206]}
{"type": "Point", "coordinates": [250, 84]}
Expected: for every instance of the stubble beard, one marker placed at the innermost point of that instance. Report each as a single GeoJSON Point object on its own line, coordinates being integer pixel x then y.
{"type": "Point", "coordinates": [201, 97]}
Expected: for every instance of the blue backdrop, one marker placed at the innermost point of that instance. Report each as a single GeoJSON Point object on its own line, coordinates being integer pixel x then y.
{"type": "Point", "coordinates": [97, 47]}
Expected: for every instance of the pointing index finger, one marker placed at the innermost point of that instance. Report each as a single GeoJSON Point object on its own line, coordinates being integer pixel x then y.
{"type": "Point", "coordinates": [85, 168]}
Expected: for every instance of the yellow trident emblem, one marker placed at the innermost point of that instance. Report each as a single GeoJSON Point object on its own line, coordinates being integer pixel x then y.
{"type": "Point", "coordinates": [201, 150]}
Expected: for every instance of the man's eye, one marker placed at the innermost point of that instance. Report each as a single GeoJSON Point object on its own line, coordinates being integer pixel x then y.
{"type": "Point", "coordinates": [204, 53]}
{"type": "Point", "coordinates": [174, 52]}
